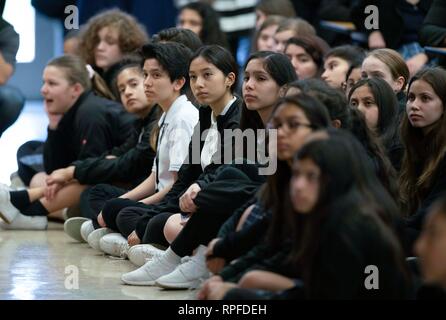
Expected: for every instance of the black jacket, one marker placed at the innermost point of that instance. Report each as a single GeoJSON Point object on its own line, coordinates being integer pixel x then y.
{"type": "Point", "coordinates": [438, 188]}
{"type": "Point", "coordinates": [391, 23]}
{"type": "Point", "coordinates": [433, 31]}
{"type": "Point", "coordinates": [134, 158]}
{"type": "Point", "coordinates": [232, 243]}
{"type": "Point", "coordinates": [92, 126]}
{"type": "Point", "coordinates": [348, 243]}
{"type": "Point", "coordinates": [191, 171]}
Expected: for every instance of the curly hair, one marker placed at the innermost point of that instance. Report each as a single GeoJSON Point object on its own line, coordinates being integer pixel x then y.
{"type": "Point", "coordinates": [131, 34]}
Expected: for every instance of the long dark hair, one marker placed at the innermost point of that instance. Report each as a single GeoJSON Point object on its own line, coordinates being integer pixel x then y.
{"type": "Point", "coordinates": [387, 103]}
{"type": "Point", "coordinates": [333, 99]}
{"type": "Point", "coordinates": [375, 150]}
{"type": "Point", "coordinates": [353, 121]}
{"type": "Point", "coordinates": [280, 69]}
{"type": "Point", "coordinates": [272, 193]}
{"type": "Point", "coordinates": [211, 32]}
{"type": "Point", "coordinates": [357, 194]}
{"type": "Point", "coordinates": [219, 57]}
{"type": "Point", "coordinates": [423, 153]}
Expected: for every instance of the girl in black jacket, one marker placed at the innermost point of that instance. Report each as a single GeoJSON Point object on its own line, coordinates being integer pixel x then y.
{"type": "Point", "coordinates": [338, 231]}
{"type": "Point", "coordinates": [423, 171]}
{"type": "Point", "coordinates": [81, 125]}
{"type": "Point", "coordinates": [375, 99]}
{"type": "Point", "coordinates": [266, 73]}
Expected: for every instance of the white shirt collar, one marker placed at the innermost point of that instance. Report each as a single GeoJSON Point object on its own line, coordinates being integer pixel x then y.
{"type": "Point", "coordinates": [173, 110]}
{"type": "Point", "coordinates": [225, 110]}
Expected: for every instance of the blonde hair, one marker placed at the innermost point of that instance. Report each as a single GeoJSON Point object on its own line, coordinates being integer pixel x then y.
{"type": "Point", "coordinates": [74, 69]}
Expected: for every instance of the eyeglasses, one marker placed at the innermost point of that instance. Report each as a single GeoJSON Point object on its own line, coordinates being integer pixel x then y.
{"type": "Point", "coordinates": [287, 126]}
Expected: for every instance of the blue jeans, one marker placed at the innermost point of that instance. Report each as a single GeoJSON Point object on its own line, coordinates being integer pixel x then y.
{"type": "Point", "coordinates": [11, 104]}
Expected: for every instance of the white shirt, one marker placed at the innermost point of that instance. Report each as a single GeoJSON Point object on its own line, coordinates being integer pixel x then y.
{"type": "Point", "coordinates": [176, 128]}
{"type": "Point", "coordinates": [210, 146]}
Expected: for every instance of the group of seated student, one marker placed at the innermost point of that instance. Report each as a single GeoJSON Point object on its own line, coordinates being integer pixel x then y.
{"type": "Point", "coordinates": [329, 165]}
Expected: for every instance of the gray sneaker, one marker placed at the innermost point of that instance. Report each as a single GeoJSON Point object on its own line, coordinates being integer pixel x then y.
{"type": "Point", "coordinates": [72, 227]}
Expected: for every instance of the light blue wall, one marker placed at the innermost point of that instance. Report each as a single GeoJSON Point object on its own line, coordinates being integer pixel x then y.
{"type": "Point", "coordinates": [49, 44]}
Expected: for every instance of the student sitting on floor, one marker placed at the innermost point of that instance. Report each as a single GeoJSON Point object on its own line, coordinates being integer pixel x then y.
{"type": "Point", "coordinates": [82, 125]}
{"type": "Point", "coordinates": [336, 230]}
{"type": "Point", "coordinates": [165, 71]}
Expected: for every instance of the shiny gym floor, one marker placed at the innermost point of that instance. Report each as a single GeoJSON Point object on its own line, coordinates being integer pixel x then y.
{"type": "Point", "coordinates": [48, 265]}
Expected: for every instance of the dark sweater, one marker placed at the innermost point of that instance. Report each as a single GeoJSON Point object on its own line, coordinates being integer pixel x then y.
{"type": "Point", "coordinates": [92, 126]}
{"type": "Point", "coordinates": [391, 22]}
{"type": "Point", "coordinates": [134, 158]}
{"type": "Point", "coordinates": [234, 244]}
{"type": "Point", "coordinates": [191, 172]}
{"type": "Point", "coordinates": [437, 189]}
{"type": "Point", "coordinates": [348, 243]}
{"type": "Point", "coordinates": [433, 31]}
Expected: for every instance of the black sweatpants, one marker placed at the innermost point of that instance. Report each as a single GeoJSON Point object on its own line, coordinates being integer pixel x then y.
{"type": "Point", "coordinates": [30, 160]}
{"type": "Point", "coordinates": [129, 217]}
{"type": "Point", "coordinates": [217, 202]}
{"type": "Point", "coordinates": [93, 200]}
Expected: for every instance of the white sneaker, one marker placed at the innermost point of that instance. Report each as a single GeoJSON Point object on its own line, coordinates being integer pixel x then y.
{"type": "Point", "coordinates": [94, 237]}
{"type": "Point", "coordinates": [22, 222]}
{"type": "Point", "coordinates": [16, 182]}
{"type": "Point", "coordinates": [189, 274]}
{"type": "Point", "coordinates": [7, 211]}
{"type": "Point", "coordinates": [114, 244]}
{"type": "Point", "coordinates": [86, 228]}
{"type": "Point", "coordinates": [149, 272]}
{"type": "Point", "coordinates": [141, 253]}
{"type": "Point", "coordinates": [72, 227]}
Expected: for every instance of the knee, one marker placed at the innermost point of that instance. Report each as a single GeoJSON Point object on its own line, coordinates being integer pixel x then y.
{"type": "Point", "coordinates": [123, 216]}
{"type": "Point", "coordinates": [250, 280]}
{"type": "Point", "coordinates": [38, 180]}
{"type": "Point", "coordinates": [97, 192]}
{"type": "Point", "coordinates": [172, 227]}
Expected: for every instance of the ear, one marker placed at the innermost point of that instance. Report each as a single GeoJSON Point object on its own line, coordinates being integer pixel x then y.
{"type": "Point", "coordinates": [178, 84]}
{"type": "Point", "coordinates": [400, 83]}
{"type": "Point", "coordinates": [282, 91]}
{"type": "Point", "coordinates": [230, 79]}
{"type": "Point", "coordinates": [336, 123]}
{"type": "Point", "coordinates": [77, 89]}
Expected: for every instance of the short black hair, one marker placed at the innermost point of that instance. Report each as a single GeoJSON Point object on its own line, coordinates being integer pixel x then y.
{"type": "Point", "coordinates": [180, 35]}
{"type": "Point", "coordinates": [354, 55]}
{"type": "Point", "coordinates": [172, 56]}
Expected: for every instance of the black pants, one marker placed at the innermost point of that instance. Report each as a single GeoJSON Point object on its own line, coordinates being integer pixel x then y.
{"type": "Point", "coordinates": [93, 201]}
{"type": "Point", "coordinates": [30, 160]}
{"type": "Point", "coordinates": [231, 188]}
{"type": "Point", "coordinates": [12, 101]}
{"type": "Point", "coordinates": [128, 218]}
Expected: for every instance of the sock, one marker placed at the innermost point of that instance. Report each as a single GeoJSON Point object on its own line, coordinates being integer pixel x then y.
{"type": "Point", "coordinates": [171, 256]}
{"type": "Point", "coordinates": [35, 209]}
{"type": "Point", "coordinates": [20, 199]}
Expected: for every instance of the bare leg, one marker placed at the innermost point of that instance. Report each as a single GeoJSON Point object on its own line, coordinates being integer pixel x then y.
{"type": "Point", "coordinates": [38, 180]}
{"type": "Point", "coordinates": [68, 196]}
{"type": "Point", "coordinates": [35, 193]}
{"type": "Point", "coordinates": [265, 280]}
{"type": "Point", "coordinates": [172, 227]}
